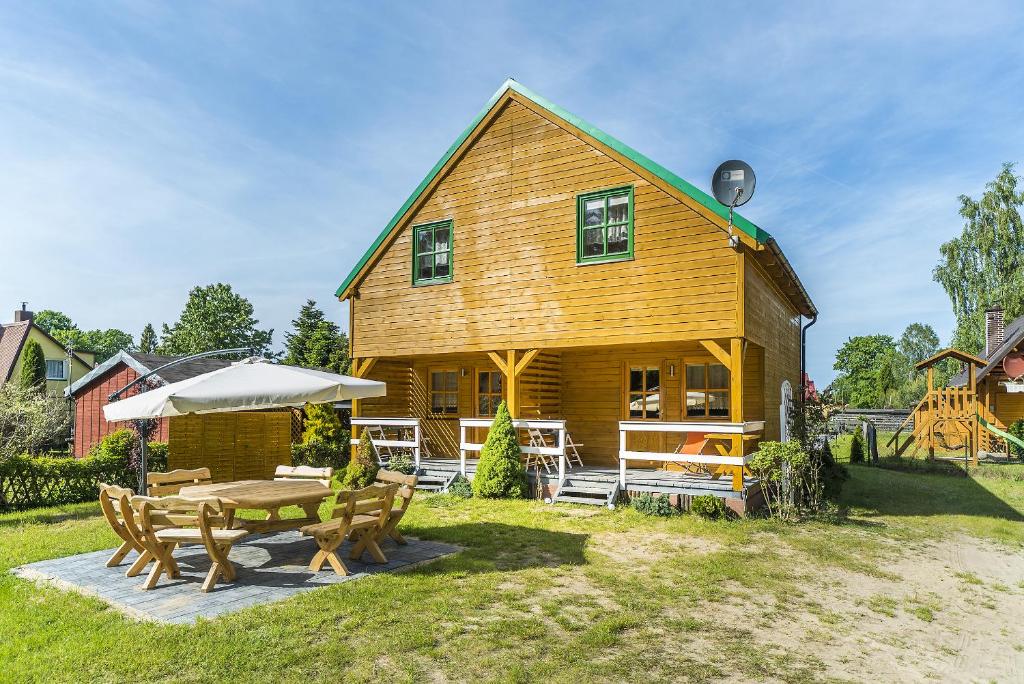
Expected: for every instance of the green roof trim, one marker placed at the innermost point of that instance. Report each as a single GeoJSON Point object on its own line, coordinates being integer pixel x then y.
{"type": "Point", "coordinates": [658, 170]}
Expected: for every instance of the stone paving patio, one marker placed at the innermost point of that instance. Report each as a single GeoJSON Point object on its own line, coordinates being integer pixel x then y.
{"type": "Point", "coordinates": [271, 567]}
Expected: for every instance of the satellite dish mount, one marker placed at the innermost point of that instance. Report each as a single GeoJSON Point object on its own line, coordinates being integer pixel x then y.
{"type": "Point", "coordinates": [733, 186]}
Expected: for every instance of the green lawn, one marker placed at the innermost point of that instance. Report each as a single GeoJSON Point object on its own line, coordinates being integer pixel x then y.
{"type": "Point", "coordinates": [540, 593]}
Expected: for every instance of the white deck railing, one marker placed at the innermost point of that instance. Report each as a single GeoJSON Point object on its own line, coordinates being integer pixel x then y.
{"type": "Point", "coordinates": [705, 428]}
{"type": "Point", "coordinates": [394, 424]}
{"type": "Point", "coordinates": [556, 426]}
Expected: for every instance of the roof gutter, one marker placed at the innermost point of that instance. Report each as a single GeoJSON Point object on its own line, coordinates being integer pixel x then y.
{"type": "Point", "coordinates": [773, 245]}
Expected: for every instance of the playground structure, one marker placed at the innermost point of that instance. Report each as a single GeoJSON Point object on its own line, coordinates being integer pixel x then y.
{"type": "Point", "coordinates": [953, 418]}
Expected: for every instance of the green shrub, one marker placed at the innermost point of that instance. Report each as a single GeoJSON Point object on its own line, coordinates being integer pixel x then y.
{"type": "Point", "coordinates": [708, 506]}
{"type": "Point", "coordinates": [500, 472]}
{"type": "Point", "coordinates": [30, 482]}
{"type": "Point", "coordinates": [461, 487]}
{"type": "Point", "coordinates": [33, 365]}
{"type": "Point", "coordinates": [323, 425]}
{"type": "Point", "coordinates": [1017, 430]}
{"type": "Point", "coordinates": [319, 455]}
{"type": "Point", "coordinates": [117, 444]}
{"type": "Point", "coordinates": [650, 504]}
{"type": "Point", "coordinates": [402, 463]}
{"type": "Point", "coordinates": [156, 460]}
{"type": "Point", "coordinates": [789, 479]}
{"type": "Point", "coordinates": [857, 447]}
{"type": "Point", "coordinates": [362, 467]}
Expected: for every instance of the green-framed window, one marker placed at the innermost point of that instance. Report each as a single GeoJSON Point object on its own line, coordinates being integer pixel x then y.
{"type": "Point", "coordinates": [432, 253]}
{"type": "Point", "coordinates": [604, 225]}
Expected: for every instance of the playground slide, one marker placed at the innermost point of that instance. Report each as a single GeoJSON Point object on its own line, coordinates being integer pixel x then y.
{"type": "Point", "coordinates": [999, 433]}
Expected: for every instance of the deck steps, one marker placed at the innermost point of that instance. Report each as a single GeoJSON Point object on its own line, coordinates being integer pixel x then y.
{"type": "Point", "coordinates": [592, 491]}
{"type": "Point", "coordinates": [435, 480]}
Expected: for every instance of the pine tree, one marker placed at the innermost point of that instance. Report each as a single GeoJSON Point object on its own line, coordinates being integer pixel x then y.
{"type": "Point", "coordinates": [147, 341]}
{"type": "Point", "coordinates": [33, 365]}
{"type": "Point", "coordinates": [322, 425]}
{"type": "Point", "coordinates": [500, 472]}
{"type": "Point", "coordinates": [316, 342]}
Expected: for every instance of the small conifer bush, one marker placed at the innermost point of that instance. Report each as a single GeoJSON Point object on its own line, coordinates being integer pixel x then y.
{"type": "Point", "coordinates": [1017, 430]}
{"type": "Point", "coordinates": [500, 472]}
{"type": "Point", "coordinates": [33, 365]}
{"type": "Point", "coordinates": [362, 467]}
{"type": "Point", "coordinates": [857, 448]}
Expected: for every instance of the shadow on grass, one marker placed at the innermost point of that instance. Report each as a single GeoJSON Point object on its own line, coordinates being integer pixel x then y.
{"type": "Point", "coordinates": [46, 516]}
{"type": "Point", "coordinates": [499, 546]}
{"type": "Point", "coordinates": [894, 493]}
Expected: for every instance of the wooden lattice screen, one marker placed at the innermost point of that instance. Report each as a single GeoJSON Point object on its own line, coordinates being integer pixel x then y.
{"type": "Point", "coordinates": [234, 446]}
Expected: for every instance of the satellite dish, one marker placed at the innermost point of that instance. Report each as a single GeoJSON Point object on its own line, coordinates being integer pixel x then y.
{"type": "Point", "coordinates": [733, 183]}
{"type": "Point", "coordinates": [1013, 365]}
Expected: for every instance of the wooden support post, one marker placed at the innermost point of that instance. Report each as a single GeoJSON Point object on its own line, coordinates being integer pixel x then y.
{"type": "Point", "coordinates": [360, 369]}
{"type": "Point", "coordinates": [974, 422]}
{"type": "Point", "coordinates": [736, 404]}
{"type": "Point", "coordinates": [512, 366]}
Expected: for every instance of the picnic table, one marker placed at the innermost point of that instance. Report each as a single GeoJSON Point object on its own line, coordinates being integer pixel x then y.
{"type": "Point", "coordinates": [267, 495]}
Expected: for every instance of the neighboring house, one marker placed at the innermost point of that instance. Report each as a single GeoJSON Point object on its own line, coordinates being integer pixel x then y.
{"type": "Point", "coordinates": [92, 391]}
{"type": "Point", "coordinates": [60, 370]}
{"type": "Point", "coordinates": [1004, 348]}
{"type": "Point", "coordinates": [544, 262]}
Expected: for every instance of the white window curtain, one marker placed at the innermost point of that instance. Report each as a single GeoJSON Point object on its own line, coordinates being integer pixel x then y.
{"type": "Point", "coordinates": [55, 370]}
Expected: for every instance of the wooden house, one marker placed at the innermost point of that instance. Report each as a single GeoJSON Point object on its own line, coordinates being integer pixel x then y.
{"type": "Point", "coordinates": [545, 263]}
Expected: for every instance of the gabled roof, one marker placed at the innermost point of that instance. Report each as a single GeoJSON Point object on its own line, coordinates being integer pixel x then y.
{"type": "Point", "coordinates": [951, 354]}
{"type": "Point", "coordinates": [758, 235]}
{"type": "Point", "coordinates": [12, 339]}
{"type": "Point", "coordinates": [143, 363]}
{"type": "Point", "coordinates": [1012, 336]}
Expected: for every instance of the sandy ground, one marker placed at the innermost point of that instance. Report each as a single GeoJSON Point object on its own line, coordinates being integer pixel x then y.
{"type": "Point", "coordinates": [943, 612]}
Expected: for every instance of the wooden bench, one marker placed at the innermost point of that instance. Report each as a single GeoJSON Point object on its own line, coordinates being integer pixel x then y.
{"type": "Point", "coordinates": [321, 475]}
{"type": "Point", "coordinates": [161, 541]}
{"type": "Point", "coordinates": [363, 511]}
{"type": "Point", "coordinates": [403, 497]}
{"type": "Point", "coordinates": [167, 484]}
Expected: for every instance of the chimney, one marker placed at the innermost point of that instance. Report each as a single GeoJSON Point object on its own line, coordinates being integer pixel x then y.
{"type": "Point", "coordinates": [22, 314]}
{"type": "Point", "coordinates": [994, 329]}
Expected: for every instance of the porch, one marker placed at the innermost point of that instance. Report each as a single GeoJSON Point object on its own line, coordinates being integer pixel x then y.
{"type": "Point", "coordinates": [558, 475]}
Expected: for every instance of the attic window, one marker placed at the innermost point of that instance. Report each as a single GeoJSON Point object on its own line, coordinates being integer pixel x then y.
{"type": "Point", "coordinates": [604, 226]}
{"type": "Point", "coordinates": [432, 253]}
{"type": "Point", "coordinates": [55, 370]}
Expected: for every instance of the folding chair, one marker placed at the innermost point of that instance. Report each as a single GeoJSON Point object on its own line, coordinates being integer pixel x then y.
{"type": "Point", "coordinates": [204, 514]}
{"type": "Point", "coordinates": [321, 475]}
{"type": "Point", "coordinates": [693, 444]}
{"type": "Point", "coordinates": [363, 510]}
{"type": "Point", "coordinates": [537, 440]}
{"type": "Point", "coordinates": [572, 454]}
{"type": "Point", "coordinates": [167, 484]}
{"type": "Point", "coordinates": [382, 451]}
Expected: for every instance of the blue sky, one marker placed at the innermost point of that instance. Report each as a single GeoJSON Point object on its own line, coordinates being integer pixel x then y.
{"type": "Point", "coordinates": [146, 148]}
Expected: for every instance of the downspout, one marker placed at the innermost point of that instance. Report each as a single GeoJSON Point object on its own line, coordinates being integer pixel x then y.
{"type": "Point", "coordinates": [803, 360]}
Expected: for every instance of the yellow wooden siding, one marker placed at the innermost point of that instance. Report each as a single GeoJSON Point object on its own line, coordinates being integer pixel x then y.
{"type": "Point", "coordinates": [516, 281]}
{"type": "Point", "coordinates": [1009, 408]}
{"type": "Point", "coordinates": [234, 446]}
{"type": "Point", "coordinates": [772, 323]}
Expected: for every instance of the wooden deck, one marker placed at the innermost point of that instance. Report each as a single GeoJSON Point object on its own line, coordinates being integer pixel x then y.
{"type": "Point", "coordinates": [638, 479]}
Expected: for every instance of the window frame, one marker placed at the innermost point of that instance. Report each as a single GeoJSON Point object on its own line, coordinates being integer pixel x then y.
{"type": "Point", "coordinates": [63, 367]}
{"type": "Point", "coordinates": [645, 393]}
{"type": "Point", "coordinates": [417, 281]}
{"type": "Point", "coordinates": [581, 200]}
{"type": "Point", "coordinates": [442, 415]}
{"type": "Point", "coordinates": [477, 393]}
{"type": "Point", "coordinates": [707, 390]}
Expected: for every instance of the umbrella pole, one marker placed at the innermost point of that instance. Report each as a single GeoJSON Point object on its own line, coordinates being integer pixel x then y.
{"type": "Point", "coordinates": [143, 488]}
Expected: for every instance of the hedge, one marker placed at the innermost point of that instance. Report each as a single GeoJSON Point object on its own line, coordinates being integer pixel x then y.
{"type": "Point", "coordinates": [34, 481]}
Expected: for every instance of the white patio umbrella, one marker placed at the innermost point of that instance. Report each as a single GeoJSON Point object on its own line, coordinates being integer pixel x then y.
{"type": "Point", "coordinates": [245, 386]}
